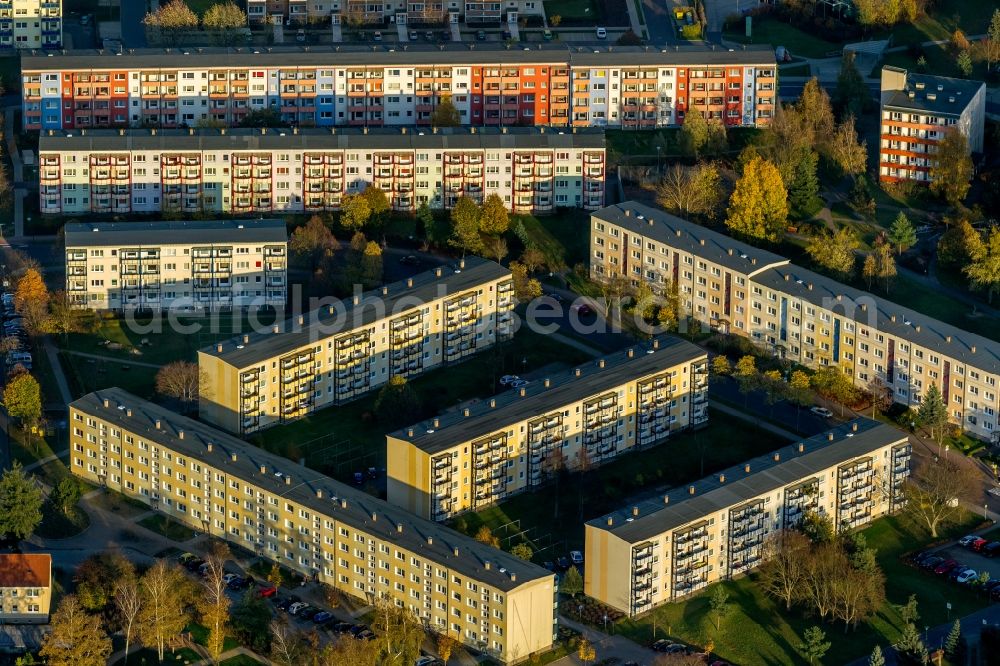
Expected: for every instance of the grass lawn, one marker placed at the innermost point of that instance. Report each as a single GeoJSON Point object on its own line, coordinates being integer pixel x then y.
{"type": "Point", "coordinates": [57, 525]}
{"type": "Point", "coordinates": [261, 568]}
{"type": "Point", "coordinates": [199, 634]}
{"type": "Point", "coordinates": [116, 502]}
{"type": "Point", "coordinates": [10, 74]}
{"type": "Point", "coordinates": [240, 660]}
{"type": "Point", "coordinates": [580, 10]}
{"type": "Point", "coordinates": [342, 440]}
{"type": "Point", "coordinates": [760, 631]}
{"type": "Point", "coordinates": [148, 657]}
{"type": "Point", "coordinates": [87, 374]}
{"type": "Point", "coordinates": [201, 6]}
{"type": "Point", "coordinates": [683, 457]}
{"type": "Point", "coordinates": [802, 69]}
{"type": "Point", "coordinates": [563, 238]}
{"type": "Point", "coordinates": [164, 526]}
{"type": "Point", "coordinates": [972, 16]}
{"type": "Point", "coordinates": [940, 61]}
{"type": "Point", "coordinates": [777, 33]}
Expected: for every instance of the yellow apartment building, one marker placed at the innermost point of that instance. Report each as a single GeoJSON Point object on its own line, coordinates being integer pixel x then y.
{"type": "Point", "coordinates": [479, 455]}
{"type": "Point", "coordinates": [326, 530]}
{"type": "Point", "coordinates": [25, 588]}
{"type": "Point", "coordinates": [664, 548]}
{"type": "Point", "coordinates": [343, 350]}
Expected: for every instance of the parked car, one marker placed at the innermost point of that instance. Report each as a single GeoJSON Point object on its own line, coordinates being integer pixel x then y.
{"type": "Point", "coordinates": [576, 557]}
{"type": "Point", "coordinates": [943, 568]}
{"type": "Point", "coordinates": [229, 578]}
{"type": "Point", "coordinates": [409, 260]}
{"type": "Point", "coordinates": [957, 570]}
{"type": "Point", "coordinates": [308, 613]}
{"type": "Point", "coordinates": [429, 35]}
{"type": "Point", "coordinates": [821, 412]}
{"type": "Point", "coordinates": [194, 565]}
{"type": "Point", "coordinates": [185, 558]}
{"type": "Point", "coordinates": [967, 540]}
{"type": "Point", "coordinates": [358, 628]}
{"type": "Point", "coordinates": [990, 585]}
{"type": "Point", "coordinates": [267, 591]}
{"type": "Point", "coordinates": [547, 35]}
{"type": "Point", "coordinates": [341, 627]}
{"type": "Point", "coordinates": [562, 564]}
{"type": "Point", "coordinates": [519, 383]}
{"type": "Point", "coordinates": [414, 36]}
{"type": "Point", "coordinates": [995, 593]}
{"type": "Point", "coordinates": [366, 635]}
{"type": "Point", "coordinates": [505, 35]}
{"type": "Point", "coordinates": [445, 35]}
{"type": "Point", "coordinates": [931, 562]}
{"type": "Point", "coordinates": [507, 379]}
{"type": "Point", "coordinates": [426, 660]}
{"type": "Point", "coordinates": [321, 617]}
{"type": "Point", "coordinates": [300, 36]}
{"type": "Point", "coordinates": [294, 608]}
{"type": "Point", "coordinates": [992, 549]}
{"type": "Point", "coordinates": [378, 36]}
{"type": "Point", "coordinates": [661, 645]}
{"type": "Point", "coordinates": [602, 33]}
{"type": "Point", "coordinates": [967, 577]}
{"type": "Point", "coordinates": [582, 309]}
{"type": "Point", "coordinates": [481, 35]}
{"type": "Point", "coordinates": [921, 555]}
{"type": "Point", "coordinates": [978, 544]}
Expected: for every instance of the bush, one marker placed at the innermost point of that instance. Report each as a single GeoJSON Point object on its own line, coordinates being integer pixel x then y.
{"type": "Point", "coordinates": [589, 611]}
{"type": "Point", "coordinates": [691, 32]}
{"type": "Point", "coordinates": [629, 39]}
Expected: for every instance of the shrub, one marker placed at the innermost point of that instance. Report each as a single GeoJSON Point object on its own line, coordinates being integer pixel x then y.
{"type": "Point", "coordinates": [691, 32]}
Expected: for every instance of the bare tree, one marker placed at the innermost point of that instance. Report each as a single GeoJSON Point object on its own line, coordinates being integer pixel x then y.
{"type": "Point", "coordinates": [214, 604]}
{"type": "Point", "coordinates": [286, 643]}
{"type": "Point", "coordinates": [857, 593]}
{"type": "Point", "coordinates": [162, 616]}
{"type": "Point", "coordinates": [128, 604]}
{"type": "Point", "coordinates": [935, 490]}
{"type": "Point", "coordinates": [179, 380]}
{"type": "Point", "coordinates": [782, 574]}
{"type": "Point", "coordinates": [820, 572]}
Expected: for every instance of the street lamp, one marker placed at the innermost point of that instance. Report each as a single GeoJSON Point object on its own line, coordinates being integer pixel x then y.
{"type": "Point", "coordinates": [658, 149]}
{"type": "Point", "coordinates": [985, 507]}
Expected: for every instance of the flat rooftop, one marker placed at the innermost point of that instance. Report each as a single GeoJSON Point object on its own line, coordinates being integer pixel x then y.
{"type": "Point", "coordinates": [338, 317]}
{"type": "Point", "coordinates": [941, 95]}
{"type": "Point", "coordinates": [337, 138]}
{"type": "Point", "coordinates": [564, 388]}
{"type": "Point", "coordinates": [679, 507]}
{"type": "Point", "coordinates": [408, 55]}
{"type": "Point", "coordinates": [284, 478]}
{"type": "Point", "coordinates": [686, 236]}
{"type": "Point", "coordinates": [153, 234]}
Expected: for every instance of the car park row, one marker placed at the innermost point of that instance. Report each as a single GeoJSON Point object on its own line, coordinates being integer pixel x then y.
{"type": "Point", "coordinates": [939, 563]}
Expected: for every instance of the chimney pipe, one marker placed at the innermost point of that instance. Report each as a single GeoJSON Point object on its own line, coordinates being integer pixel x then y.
{"type": "Point", "coordinates": [232, 457]}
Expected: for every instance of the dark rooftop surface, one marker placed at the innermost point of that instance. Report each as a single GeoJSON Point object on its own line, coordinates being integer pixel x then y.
{"type": "Point", "coordinates": [936, 94]}
{"type": "Point", "coordinates": [84, 234]}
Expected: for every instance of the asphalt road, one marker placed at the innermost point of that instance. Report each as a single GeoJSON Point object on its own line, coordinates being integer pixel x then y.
{"type": "Point", "coordinates": [133, 32]}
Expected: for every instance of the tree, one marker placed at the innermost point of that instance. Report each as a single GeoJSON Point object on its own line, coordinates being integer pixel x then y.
{"type": "Point", "coordinates": [746, 376]}
{"type": "Point", "coordinates": [881, 395]}
{"type": "Point", "coordinates": [799, 392]}
{"type": "Point", "coordinates": [76, 638]}
{"type": "Point", "coordinates": [485, 535]}
{"type": "Point", "coordinates": [851, 93]}
{"type": "Point", "coordinates": [20, 503]}
{"type": "Point", "coordinates": [932, 413]}
{"type": "Point", "coordinates": [817, 112]}
{"type": "Point", "coordinates": [493, 218]}
{"type": "Point", "coordinates": [959, 244]}
{"type": "Point", "coordinates": [65, 495]}
{"type": "Point", "coordinates": [533, 259]}
{"type": "Point", "coordinates": [165, 593]}
{"type": "Point", "coordinates": [572, 582]}
{"type": "Point", "coordinates": [496, 246]}
{"type": "Point", "coordinates": [845, 150]}
{"type": "Point", "coordinates": [274, 576]}
{"type": "Point", "coordinates": [226, 18]}
{"type": "Point", "coordinates": [96, 576]}
{"type": "Point", "coordinates": [400, 633]}
{"type": "Point", "coordinates": [758, 207]}
{"type": "Point", "coordinates": [378, 203]}
{"type": "Point", "coordinates": [782, 572]}
{"type": "Point", "coordinates": [909, 641]}
{"type": "Point", "coordinates": [814, 644]}
{"type": "Point", "coordinates": [721, 366]}
{"type": "Point", "coordinates": [445, 114]}
{"type": "Point", "coordinates": [525, 288]}
{"type": "Point", "coordinates": [830, 382]}
{"type": "Point", "coordinates": [934, 492]}
{"type": "Point", "coordinates": [31, 300]}
{"type": "Point", "coordinates": [397, 401]}
{"type": "Point", "coordinates": [262, 118]}
{"type": "Point", "coordinates": [964, 63]}
{"type": "Point", "coordinates": [834, 250]}
{"type": "Point", "coordinates": [869, 270]}
{"type": "Point", "coordinates": [877, 659]}
{"type": "Point", "coordinates": [63, 318]}
{"type": "Point", "coordinates": [984, 271]}
{"type": "Point", "coordinates": [127, 606]}
{"type": "Point", "coordinates": [179, 380]}
{"type": "Point", "coordinates": [465, 222]}
{"type": "Point", "coordinates": [817, 527]}
{"type": "Point", "coordinates": [445, 646]}
{"type": "Point", "coordinates": [22, 398]}
{"type": "Point", "coordinates": [312, 241]}
{"type": "Point", "coordinates": [908, 612]}
{"type": "Point", "coordinates": [355, 211]}
{"type": "Point", "coordinates": [694, 134]}
{"type": "Point", "coordinates": [171, 19]}
{"type": "Point", "coordinates": [902, 234]}
{"type": "Point", "coordinates": [885, 263]}
{"type": "Point", "coordinates": [585, 652]}
{"type": "Point", "coordinates": [371, 265]}
{"type": "Point", "coordinates": [991, 45]}
{"type": "Point", "coordinates": [952, 169]}
{"type": "Point", "coordinates": [803, 189]}
{"type": "Point", "coordinates": [249, 620]}
{"type": "Point", "coordinates": [719, 603]}
{"type": "Point", "coordinates": [691, 191]}
{"type": "Point", "coordinates": [522, 550]}
{"type": "Point", "coordinates": [951, 643]}
{"type": "Point", "coordinates": [287, 646]}
{"type": "Point", "coordinates": [213, 604]}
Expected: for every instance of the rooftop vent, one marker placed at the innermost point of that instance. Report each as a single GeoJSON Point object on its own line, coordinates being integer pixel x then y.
{"type": "Point", "coordinates": [611, 521]}
{"type": "Point", "coordinates": [288, 480]}
{"type": "Point", "coordinates": [180, 434]}
{"type": "Point", "coordinates": [319, 493]}
{"type": "Point", "coordinates": [157, 424]}
{"type": "Point", "coordinates": [454, 551]}
{"type": "Point", "coordinates": [854, 427]}
{"type": "Point", "coordinates": [746, 468]}
{"type": "Point", "coordinates": [802, 447]}
{"type": "Point", "coordinates": [690, 490]}
{"type": "Point", "coordinates": [263, 469]}
{"type": "Point", "coordinates": [430, 540]}
{"type": "Point", "coordinates": [343, 504]}
{"type": "Point", "coordinates": [777, 457]}
{"type": "Point", "coordinates": [232, 456]}
{"type": "Point", "coordinates": [722, 478]}
{"type": "Point", "coordinates": [829, 436]}
{"type": "Point", "coordinates": [208, 447]}
{"type": "Point", "coordinates": [635, 511]}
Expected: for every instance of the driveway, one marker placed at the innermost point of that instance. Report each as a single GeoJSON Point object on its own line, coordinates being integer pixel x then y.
{"type": "Point", "coordinates": [658, 20]}
{"type": "Point", "coordinates": [133, 31]}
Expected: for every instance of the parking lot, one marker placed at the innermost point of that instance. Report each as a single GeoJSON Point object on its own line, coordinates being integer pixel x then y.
{"type": "Point", "coordinates": [972, 562]}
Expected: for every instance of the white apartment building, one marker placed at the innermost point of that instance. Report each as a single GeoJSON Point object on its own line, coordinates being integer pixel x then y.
{"type": "Point", "coordinates": [31, 24]}
{"type": "Point", "coordinates": [246, 172]}
{"type": "Point", "coordinates": [180, 266]}
{"type": "Point", "coordinates": [665, 548]}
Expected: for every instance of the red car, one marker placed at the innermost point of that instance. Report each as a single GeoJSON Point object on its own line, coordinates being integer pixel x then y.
{"type": "Point", "coordinates": [945, 567]}
{"type": "Point", "coordinates": [267, 591]}
{"type": "Point", "coordinates": [978, 544]}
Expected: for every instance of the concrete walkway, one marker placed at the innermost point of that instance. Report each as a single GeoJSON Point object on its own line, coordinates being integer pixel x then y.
{"type": "Point", "coordinates": [113, 359]}
{"type": "Point", "coordinates": [605, 646]}
{"type": "Point", "coordinates": [17, 175]}
{"type": "Point", "coordinates": [52, 354]}
{"type": "Point", "coordinates": [44, 461]}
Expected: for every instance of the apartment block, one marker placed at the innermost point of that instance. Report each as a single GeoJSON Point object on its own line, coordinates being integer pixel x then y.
{"type": "Point", "coordinates": [800, 315]}
{"type": "Point", "coordinates": [340, 351]}
{"type": "Point", "coordinates": [710, 272]}
{"type": "Point", "coordinates": [374, 12]}
{"type": "Point", "coordinates": [323, 529]}
{"type": "Point", "coordinates": [253, 172]}
{"type": "Point", "coordinates": [180, 266]}
{"type": "Point", "coordinates": [468, 459]}
{"type": "Point", "coordinates": [31, 24]}
{"type": "Point", "coordinates": [668, 547]}
{"type": "Point", "coordinates": [25, 588]}
{"type": "Point", "coordinates": [916, 112]}
{"type": "Point", "coordinates": [626, 87]}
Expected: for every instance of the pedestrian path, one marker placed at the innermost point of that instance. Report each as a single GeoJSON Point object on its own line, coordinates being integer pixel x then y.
{"type": "Point", "coordinates": [113, 359]}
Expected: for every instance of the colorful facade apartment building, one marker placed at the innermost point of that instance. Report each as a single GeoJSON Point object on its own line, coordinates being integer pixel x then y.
{"type": "Point", "coordinates": [339, 352]}
{"type": "Point", "coordinates": [31, 24]}
{"type": "Point", "coordinates": [665, 548]}
{"type": "Point", "coordinates": [377, 12]}
{"type": "Point", "coordinates": [181, 266]}
{"type": "Point", "coordinates": [250, 172]}
{"type": "Point", "coordinates": [800, 315]}
{"type": "Point", "coordinates": [25, 588]}
{"type": "Point", "coordinates": [319, 527]}
{"type": "Point", "coordinates": [916, 111]}
{"type": "Point", "coordinates": [584, 417]}
{"type": "Point", "coordinates": [627, 87]}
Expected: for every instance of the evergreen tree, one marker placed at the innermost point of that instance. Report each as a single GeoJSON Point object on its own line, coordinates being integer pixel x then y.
{"type": "Point", "coordinates": [803, 190]}
{"type": "Point", "coordinates": [851, 94]}
{"type": "Point", "coordinates": [909, 642]}
{"type": "Point", "coordinates": [902, 234]}
{"type": "Point", "coordinates": [814, 644]}
{"type": "Point", "coordinates": [20, 503]}
{"type": "Point", "coordinates": [951, 643]}
{"type": "Point", "coordinates": [572, 582]}
{"type": "Point", "coordinates": [932, 413]}
{"type": "Point", "coordinates": [877, 659]}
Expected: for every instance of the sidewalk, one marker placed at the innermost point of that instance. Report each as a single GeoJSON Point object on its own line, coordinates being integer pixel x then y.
{"type": "Point", "coordinates": [605, 645]}
{"type": "Point", "coordinates": [113, 359]}
{"type": "Point", "coordinates": [17, 175]}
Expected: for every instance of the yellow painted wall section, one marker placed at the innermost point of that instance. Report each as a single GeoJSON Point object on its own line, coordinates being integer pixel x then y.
{"type": "Point", "coordinates": [530, 616]}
